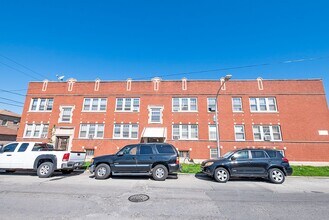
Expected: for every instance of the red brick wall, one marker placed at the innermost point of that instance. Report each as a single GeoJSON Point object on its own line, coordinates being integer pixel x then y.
{"type": "Point", "coordinates": [302, 111]}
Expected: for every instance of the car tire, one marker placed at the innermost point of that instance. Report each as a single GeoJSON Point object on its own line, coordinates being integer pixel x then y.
{"type": "Point", "coordinates": [221, 175]}
{"type": "Point", "coordinates": [102, 171]}
{"type": "Point", "coordinates": [276, 176]}
{"type": "Point", "coordinates": [160, 172]}
{"type": "Point", "coordinates": [67, 171]}
{"type": "Point", "coordinates": [45, 170]}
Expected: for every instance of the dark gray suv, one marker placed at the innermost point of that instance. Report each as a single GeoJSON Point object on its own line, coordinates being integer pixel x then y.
{"type": "Point", "coordinates": [157, 159]}
{"type": "Point", "coordinates": [249, 163]}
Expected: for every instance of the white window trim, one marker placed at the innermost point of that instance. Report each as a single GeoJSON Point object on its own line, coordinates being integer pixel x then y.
{"type": "Point", "coordinates": [88, 128]}
{"type": "Point", "coordinates": [208, 103]}
{"type": "Point", "coordinates": [91, 103]}
{"type": "Point", "coordinates": [271, 133]}
{"type": "Point", "coordinates": [33, 130]}
{"type": "Point", "coordinates": [61, 111]}
{"type": "Point", "coordinates": [38, 105]}
{"type": "Point", "coordinates": [180, 132]}
{"type": "Point", "coordinates": [210, 149]}
{"type": "Point", "coordinates": [180, 104]}
{"type": "Point", "coordinates": [233, 104]}
{"type": "Point", "coordinates": [150, 114]}
{"type": "Point", "coordinates": [267, 105]}
{"type": "Point", "coordinates": [212, 125]}
{"type": "Point", "coordinates": [244, 133]}
{"type": "Point", "coordinates": [130, 132]}
{"type": "Point", "coordinates": [124, 102]}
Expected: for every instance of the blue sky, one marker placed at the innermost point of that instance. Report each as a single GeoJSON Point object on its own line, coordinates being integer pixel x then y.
{"type": "Point", "coordinates": [116, 40]}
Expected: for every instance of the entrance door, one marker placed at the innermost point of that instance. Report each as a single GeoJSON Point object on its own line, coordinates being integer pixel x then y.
{"type": "Point", "coordinates": [62, 142]}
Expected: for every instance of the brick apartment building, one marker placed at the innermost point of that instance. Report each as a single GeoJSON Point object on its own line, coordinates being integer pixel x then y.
{"type": "Point", "coordinates": [101, 117]}
{"type": "Point", "coordinates": [9, 123]}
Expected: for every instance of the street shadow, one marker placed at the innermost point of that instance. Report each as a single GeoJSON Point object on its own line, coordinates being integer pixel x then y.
{"type": "Point", "coordinates": [137, 177]}
{"type": "Point", "coordinates": [205, 177]}
{"type": "Point", "coordinates": [34, 173]}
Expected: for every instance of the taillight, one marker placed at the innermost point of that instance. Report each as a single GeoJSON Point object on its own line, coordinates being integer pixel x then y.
{"type": "Point", "coordinates": [66, 157]}
{"type": "Point", "coordinates": [285, 160]}
{"type": "Point", "coordinates": [177, 160]}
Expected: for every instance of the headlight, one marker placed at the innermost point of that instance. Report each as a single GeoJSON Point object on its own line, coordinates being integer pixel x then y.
{"type": "Point", "coordinates": [208, 164]}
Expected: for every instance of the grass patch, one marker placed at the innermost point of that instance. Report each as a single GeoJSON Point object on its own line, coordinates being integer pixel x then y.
{"type": "Point", "coordinates": [85, 165]}
{"type": "Point", "coordinates": [310, 171]}
{"type": "Point", "coordinates": [190, 168]}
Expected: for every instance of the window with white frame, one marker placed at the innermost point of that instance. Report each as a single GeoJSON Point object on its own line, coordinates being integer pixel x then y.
{"type": "Point", "coordinates": [237, 104]}
{"type": "Point", "coordinates": [155, 114]}
{"type": "Point", "coordinates": [41, 104]}
{"type": "Point", "coordinates": [211, 104]}
{"type": "Point", "coordinates": [263, 104]}
{"type": "Point", "coordinates": [125, 131]}
{"type": "Point", "coordinates": [212, 132]}
{"type": "Point", "coordinates": [239, 133]}
{"type": "Point", "coordinates": [267, 133]}
{"type": "Point", "coordinates": [91, 131]}
{"type": "Point", "coordinates": [184, 104]}
{"type": "Point", "coordinates": [213, 153]}
{"type": "Point", "coordinates": [94, 104]}
{"type": "Point", "coordinates": [185, 132]}
{"type": "Point", "coordinates": [127, 104]}
{"type": "Point", "coordinates": [66, 114]}
{"type": "Point", "coordinates": [36, 131]}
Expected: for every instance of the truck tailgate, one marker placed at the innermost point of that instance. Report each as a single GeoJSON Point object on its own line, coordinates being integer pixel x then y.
{"type": "Point", "coordinates": [77, 156]}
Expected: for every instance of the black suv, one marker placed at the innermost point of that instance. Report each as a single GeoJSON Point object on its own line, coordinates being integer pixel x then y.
{"type": "Point", "coordinates": [249, 163]}
{"type": "Point", "coordinates": [158, 159]}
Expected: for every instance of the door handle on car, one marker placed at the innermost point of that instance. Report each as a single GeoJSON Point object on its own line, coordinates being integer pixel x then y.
{"type": "Point", "coordinates": [8, 155]}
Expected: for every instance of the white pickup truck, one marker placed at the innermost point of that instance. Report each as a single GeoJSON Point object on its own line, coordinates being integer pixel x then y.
{"type": "Point", "coordinates": [38, 156]}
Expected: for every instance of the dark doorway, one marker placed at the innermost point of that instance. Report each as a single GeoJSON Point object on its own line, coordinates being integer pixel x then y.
{"type": "Point", "coordinates": [62, 142]}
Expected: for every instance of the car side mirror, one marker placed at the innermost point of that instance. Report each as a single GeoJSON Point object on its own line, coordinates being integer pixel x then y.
{"type": "Point", "coordinates": [120, 154]}
{"type": "Point", "coordinates": [233, 158]}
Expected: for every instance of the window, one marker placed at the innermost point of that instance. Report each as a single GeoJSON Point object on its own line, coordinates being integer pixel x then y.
{"type": "Point", "coordinates": [185, 132]}
{"type": "Point", "coordinates": [127, 104]}
{"type": "Point", "coordinates": [125, 131]}
{"type": "Point", "coordinates": [213, 153]}
{"type": "Point", "coordinates": [239, 132]}
{"type": "Point", "coordinates": [36, 131]}
{"type": "Point", "coordinates": [212, 132]}
{"type": "Point", "coordinates": [184, 105]}
{"type": "Point", "coordinates": [155, 114]}
{"type": "Point", "coordinates": [42, 147]}
{"type": "Point", "coordinates": [41, 104]}
{"type": "Point", "coordinates": [23, 147]}
{"type": "Point", "coordinates": [263, 104]}
{"type": "Point", "coordinates": [91, 131]}
{"type": "Point", "coordinates": [90, 152]}
{"type": "Point", "coordinates": [184, 153]}
{"type": "Point", "coordinates": [165, 149]}
{"type": "Point", "coordinates": [237, 104]}
{"type": "Point", "coordinates": [145, 149]}
{"type": "Point", "coordinates": [241, 155]}
{"type": "Point", "coordinates": [94, 104]}
{"type": "Point", "coordinates": [4, 122]}
{"type": "Point", "coordinates": [66, 114]}
{"type": "Point", "coordinates": [267, 133]}
{"type": "Point", "coordinates": [257, 154]}
{"type": "Point", "coordinates": [211, 104]}
{"type": "Point", "coordinates": [10, 147]}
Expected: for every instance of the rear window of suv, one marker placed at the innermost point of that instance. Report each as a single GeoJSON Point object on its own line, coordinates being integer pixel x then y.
{"type": "Point", "coordinates": [274, 153]}
{"type": "Point", "coordinates": [165, 149]}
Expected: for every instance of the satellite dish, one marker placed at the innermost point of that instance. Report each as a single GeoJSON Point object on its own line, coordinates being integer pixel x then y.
{"type": "Point", "coordinates": [60, 78]}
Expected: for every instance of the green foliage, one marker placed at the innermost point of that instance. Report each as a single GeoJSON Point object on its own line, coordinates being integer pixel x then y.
{"type": "Point", "coordinates": [85, 165]}
{"type": "Point", "coordinates": [310, 171]}
{"type": "Point", "coordinates": [190, 168]}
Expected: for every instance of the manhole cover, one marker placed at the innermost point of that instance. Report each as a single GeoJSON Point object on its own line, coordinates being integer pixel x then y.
{"type": "Point", "coordinates": [138, 198]}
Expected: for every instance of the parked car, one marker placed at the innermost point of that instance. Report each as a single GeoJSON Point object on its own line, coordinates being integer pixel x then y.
{"type": "Point", "coordinates": [249, 163]}
{"type": "Point", "coordinates": [156, 159]}
{"type": "Point", "coordinates": [40, 157]}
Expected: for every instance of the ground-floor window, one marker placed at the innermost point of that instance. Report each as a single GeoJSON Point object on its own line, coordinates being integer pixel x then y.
{"type": "Point", "coordinates": [213, 153]}
{"type": "Point", "coordinates": [185, 132]}
{"type": "Point", "coordinates": [36, 130]}
{"type": "Point", "coordinates": [184, 153]}
{"type": "Point", "coordinates": [91, 131]}
{"type": "Point", "coordinates": [125, 131]}
{"type": "Point", "coordinates": [267, 133]}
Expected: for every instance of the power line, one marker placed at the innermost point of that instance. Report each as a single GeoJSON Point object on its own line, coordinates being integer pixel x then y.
{"type": "Point", "coordinates": [27, 74]}
{"type": "Point", "coordinates": [23, 66]}
{"type": "Point", "coordinates": [15, 93]}
{"type": "Point", "coordinates": [11, 100]}
{"type": "Point", "coordinates": [11, 104]}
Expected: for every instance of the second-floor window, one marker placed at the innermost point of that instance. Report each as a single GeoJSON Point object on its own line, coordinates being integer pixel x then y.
{"type": "Point", "coordinates": [267, 133]}
{"type": "Point", "coordinates": [36, 131]}
{"type": "Point", "coordinates": [127, 104]}
{"type": "Point", "coordinates": [94, 104]}
{"type": "Point", "coordinates": [211, 104]}
{"type": "Point", "coordinates": [91, 131]}
{"type": "Point", "coordinates": [66, 114]}
{"type": "Point", "coordinates": [263, 104]}
{"type": "Point", "coordinates": [239, 133]}
{"type": "Point", "coordinates": [125, 131]}
{"type": "Point", "coordinates": [41, 104]}
{"type": "Point", "coordinates": [184, 104]}
{"type": "Point", "coordinates": [155, 114]}
{"type": "Point", "coordinates": [237, 104]}
{"type": "Point", "coordinates": [185, 132]}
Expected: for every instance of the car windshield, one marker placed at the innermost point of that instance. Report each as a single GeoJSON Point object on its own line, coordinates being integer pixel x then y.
{"type": "Point", "coordinates": [228, 154]}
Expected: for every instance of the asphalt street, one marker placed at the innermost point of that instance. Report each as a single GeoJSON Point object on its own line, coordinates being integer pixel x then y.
{"type": "Point", "coordinates": [79, 196]}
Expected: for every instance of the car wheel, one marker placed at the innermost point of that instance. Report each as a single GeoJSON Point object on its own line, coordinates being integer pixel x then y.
{"type": "Point", "coordinates": [67, 171]}
{"type": "Point", "coordinates": [276, 176]}
{"type": "Point", "coordinates": [221, 175]}
{"type": "Point", "coordinates": [160, 172]}
{"type": "Point", "coordinates": [102, 171]}
{"type": "Point", "coordinates": [45, 170]}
